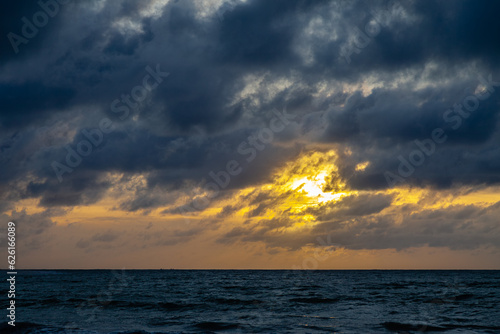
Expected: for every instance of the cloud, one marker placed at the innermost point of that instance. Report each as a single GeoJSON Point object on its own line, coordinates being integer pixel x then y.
{"type": "Point", "coordinates": [230, 66]}
{"type": "Point", "coordinates": [458, 227]}
{"type": "Point", "coordinates": [352, 226]}
{"type": "Point", "coordinates": [32, 230]}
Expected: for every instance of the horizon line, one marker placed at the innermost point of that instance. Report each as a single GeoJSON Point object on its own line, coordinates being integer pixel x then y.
{"type": "Point", "coordinates": [236, 269]}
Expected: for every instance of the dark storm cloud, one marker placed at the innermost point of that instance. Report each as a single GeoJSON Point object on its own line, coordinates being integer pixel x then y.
{"type": "Point", "coordinates": [261, 33]}
{"type": "Point", "coordinates": [84, 188]}
{"type": "Point", "coordinates": [13, 17]}
{"type": "Point", "coordinates": [31, 229]}
{"type": "Point", "coordinates": [227, 71]}
{"type": "Point", "coordinates": [457, 227]}
{"type": "Point", "coordinates": [30, 102]}
{"type": "Point", "coordinates": [351, 206]}
{"type": "Point", "coordinates": [387, 123]}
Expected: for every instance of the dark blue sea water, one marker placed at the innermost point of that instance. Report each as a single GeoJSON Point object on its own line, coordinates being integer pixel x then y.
{"type": "Point", "coordinates": [253, 301]}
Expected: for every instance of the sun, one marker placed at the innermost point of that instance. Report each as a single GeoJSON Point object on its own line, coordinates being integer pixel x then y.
{"type": "Point", "coordinates": [312, 187]}
{"type": "Point", "coordinates": [310, 180]}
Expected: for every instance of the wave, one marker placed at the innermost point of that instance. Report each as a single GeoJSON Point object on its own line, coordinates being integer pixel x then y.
{"type": "Point", "coordinates": [216, 326]}
{"type": "Point", "coordinates": [465, 296]}
{"type": "Point", "coordinates": [234, 301]}
{"type": "Point", "coordinates": [34, 328]}
{"type": "Point", "coordinates": [21, 327]}
{"type": "Point", "coordinates": [176, 306]}
{"type": "Point", "coordinates": [49, 301]}
{"type": "Point", "coordinates": [482, 284]}
{"type": "Point", "coordinates": [315, 300]}
{"type": "Point", "coordinates": [236, 287]}
{"type": "Point", "coordinates": [122, 304]}
{"type": "Point", "coordinates": [321, 329]}
{"type": "Point", "coordinates": [170, 306]}
{"type": "Point", "coordinates": [453, 299]}
{"type": "Point", "coordinates": [400, 327]}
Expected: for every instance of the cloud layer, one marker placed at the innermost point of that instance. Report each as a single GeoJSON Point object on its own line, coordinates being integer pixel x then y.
{"type": "Point", "coordinates": [371, 82]}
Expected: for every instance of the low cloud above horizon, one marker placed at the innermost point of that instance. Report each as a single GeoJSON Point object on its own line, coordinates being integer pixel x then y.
{"type": "Point", "coordinates": [251, 133]}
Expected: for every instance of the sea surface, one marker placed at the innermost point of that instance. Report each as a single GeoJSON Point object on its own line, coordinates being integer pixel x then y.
{"type": "Point", "coordinates": [255, 301]}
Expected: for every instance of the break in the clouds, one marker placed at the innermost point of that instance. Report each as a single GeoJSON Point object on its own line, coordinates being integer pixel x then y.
{"type": "Point", "coordinates": [218, 109]}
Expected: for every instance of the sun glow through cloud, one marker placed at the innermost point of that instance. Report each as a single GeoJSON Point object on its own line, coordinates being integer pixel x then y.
{"type": "Point", "coordinates": [312, 186]}
{"type": "Point", "coordinates": [308, 182]}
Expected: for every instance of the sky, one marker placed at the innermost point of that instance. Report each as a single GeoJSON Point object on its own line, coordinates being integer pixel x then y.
{"type": "Point", "coordinates": [251, 134]}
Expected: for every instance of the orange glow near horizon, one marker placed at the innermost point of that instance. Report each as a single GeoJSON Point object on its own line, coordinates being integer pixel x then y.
{"type": "Point", "coordinates": [271, 219]}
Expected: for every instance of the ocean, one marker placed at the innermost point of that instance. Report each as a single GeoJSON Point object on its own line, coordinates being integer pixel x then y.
{"type": "Point", "coordinates": [255, 301]}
